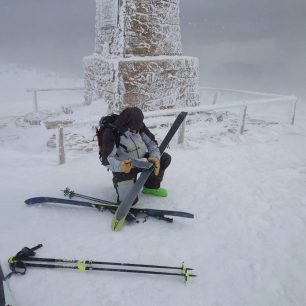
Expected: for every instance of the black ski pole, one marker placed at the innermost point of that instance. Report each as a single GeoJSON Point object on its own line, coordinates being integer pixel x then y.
{"type": "Point", "coordinates": [93, 262]}
{"type": "Point", "coordinates": [25, 258]}
{"type": "Point", "coordinates": [2, 294]}
{"type": "Point", "coordinates": [6, 298]}
{"type": "Point", "coordinates": [82, 267]}
{"type": "Point", "coordinates": [70, 193]}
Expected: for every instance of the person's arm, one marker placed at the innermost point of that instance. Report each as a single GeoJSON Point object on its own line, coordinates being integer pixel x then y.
{"type": "Point", "coordinates": [113, 164]}
{"type": "Point", "coordinates": [109, 151]}
{"type": "Point", "coordinates": [151, 143]}
{"type": "Point", "coordinates": [153, 149]}
{"type": "Point", "coordinates": [110, 157]}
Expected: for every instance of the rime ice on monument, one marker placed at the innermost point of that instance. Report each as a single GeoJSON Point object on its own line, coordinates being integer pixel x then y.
{"type": "Point", "coordinates": [138, 57]}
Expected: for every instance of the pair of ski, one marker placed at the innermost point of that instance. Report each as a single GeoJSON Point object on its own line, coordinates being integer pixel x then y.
{"type": "Point", "coordinates": [125, 208]}
{"type": "Point", "coordinates": [26, 259]}
{"type": "Point", "coordinates": [101, 205]}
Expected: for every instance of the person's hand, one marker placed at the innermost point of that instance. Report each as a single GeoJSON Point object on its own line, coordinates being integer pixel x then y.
{"type": "Point", "coordinates": [125, 166]}
{"type": "Point", "coordinates": [156, 162]}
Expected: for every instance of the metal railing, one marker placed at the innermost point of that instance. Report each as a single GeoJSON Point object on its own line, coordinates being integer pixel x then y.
{"type": "Point", "coordinates": [36, 90]}
{"type": "Point", "coordinates": [265, 98]}
{"type": "Point", "coordinates": [243, 106]}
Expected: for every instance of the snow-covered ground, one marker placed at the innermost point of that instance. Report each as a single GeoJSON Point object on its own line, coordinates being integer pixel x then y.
{"type": "Point", "coordinates": [247, 242]}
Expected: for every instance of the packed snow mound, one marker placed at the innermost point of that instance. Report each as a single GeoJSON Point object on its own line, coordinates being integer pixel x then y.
{"type": "Point", "coordinates": [247, 193]}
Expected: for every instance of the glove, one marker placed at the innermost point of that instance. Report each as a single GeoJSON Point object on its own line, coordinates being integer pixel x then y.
{"type": "Point", "coordinates": [125, 166]}
{"type": "Point", "coordinates": [156, 162]}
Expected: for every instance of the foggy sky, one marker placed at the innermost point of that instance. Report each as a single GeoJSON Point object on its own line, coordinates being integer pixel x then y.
{"type": "Point", "coordinates": [247, 44]}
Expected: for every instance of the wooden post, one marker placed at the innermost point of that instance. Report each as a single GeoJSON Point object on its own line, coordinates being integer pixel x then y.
{"type": "Point", "coordinates": [292, 113]}
{"type": "Point", "coordinates": [61, 148]}
{"type": "Point", "coordinates": [216, 97]}
{"type": "Point", "coordinates": [35, 101]}
{"type": "Point", "coordinates": [241, 125]}
{"type": "Point", "coordinates": [181, 135]}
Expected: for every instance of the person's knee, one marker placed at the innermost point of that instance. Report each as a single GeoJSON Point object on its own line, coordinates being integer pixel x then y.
{"type": "Point", "coordinates": [165, 160]}
{"type": "Point", "coordinates": [123, 188]}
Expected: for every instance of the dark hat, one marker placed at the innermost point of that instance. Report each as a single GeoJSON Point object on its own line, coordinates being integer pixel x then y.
{"type": "Point", "coordinates": [132, 118]}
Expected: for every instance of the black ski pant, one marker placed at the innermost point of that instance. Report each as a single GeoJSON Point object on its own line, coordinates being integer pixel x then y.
{"type": "Point", "coordinates": [153, 181]}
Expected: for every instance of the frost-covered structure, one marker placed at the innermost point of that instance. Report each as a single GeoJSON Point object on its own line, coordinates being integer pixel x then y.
{"type": "Point", "coordinates": [138, 57]}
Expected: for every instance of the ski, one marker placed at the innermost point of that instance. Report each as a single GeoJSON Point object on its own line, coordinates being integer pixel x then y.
{"type": "Point", "coordinates": [100, 205]}
{"type": "Point", "coordinates": [125, 206]}
{"type": "Point", "coordinates": [25, 258]}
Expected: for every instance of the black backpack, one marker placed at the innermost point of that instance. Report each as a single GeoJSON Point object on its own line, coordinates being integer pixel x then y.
{"type": "Point", "coordinates": [107, 122]}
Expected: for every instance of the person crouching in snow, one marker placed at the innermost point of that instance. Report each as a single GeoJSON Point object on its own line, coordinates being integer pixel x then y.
{"type": "Point", "coordinates": [135, 142]}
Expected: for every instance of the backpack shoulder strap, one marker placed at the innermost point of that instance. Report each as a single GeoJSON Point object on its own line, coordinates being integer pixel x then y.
{"type": "Point", "coordinates": [117, 132]}
{"type": "Point", "coordinates": [146, 131]}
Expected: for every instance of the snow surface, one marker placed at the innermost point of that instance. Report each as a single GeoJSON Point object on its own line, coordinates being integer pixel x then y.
{"type": "Point", "coordinates": [247, 242]}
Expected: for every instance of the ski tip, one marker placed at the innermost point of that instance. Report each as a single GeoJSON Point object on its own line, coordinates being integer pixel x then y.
{"type": "Point", "coordinates": [35, 200]}
{"type": "Point", "coordinates": [28, 201]}
{"type": "Point", "coordinates": [182, 115]}
{"type": "Point", "coordinates": [117, 224]}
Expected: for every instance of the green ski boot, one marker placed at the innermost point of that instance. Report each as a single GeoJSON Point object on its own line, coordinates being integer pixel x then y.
{"type": "Point", "coordinates": [158, 192]}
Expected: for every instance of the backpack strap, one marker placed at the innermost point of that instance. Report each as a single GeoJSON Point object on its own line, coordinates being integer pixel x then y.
{"type": "Point", "coordinates": [118, 132]}
{"type": "Point", "coordinates": [145, 130]}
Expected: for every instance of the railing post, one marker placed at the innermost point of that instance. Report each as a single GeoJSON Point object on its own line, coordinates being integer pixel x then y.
{"type": "Point", "coordinates": [61, 148]}
{"type": "Point", "coordinates": [292, 112]}
{"type": "Point", "coordinates": [216, 97]}
{"type": "Point", "coordinates": [181, 134]}
{"type": "Point", "coordinates": [241, 124]}
{"type": "Point", "coordinates": [35, 101]}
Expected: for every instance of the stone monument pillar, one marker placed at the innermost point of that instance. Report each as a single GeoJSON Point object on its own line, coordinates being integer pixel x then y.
{"type": "Point", "coordinates": [138, 57]}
